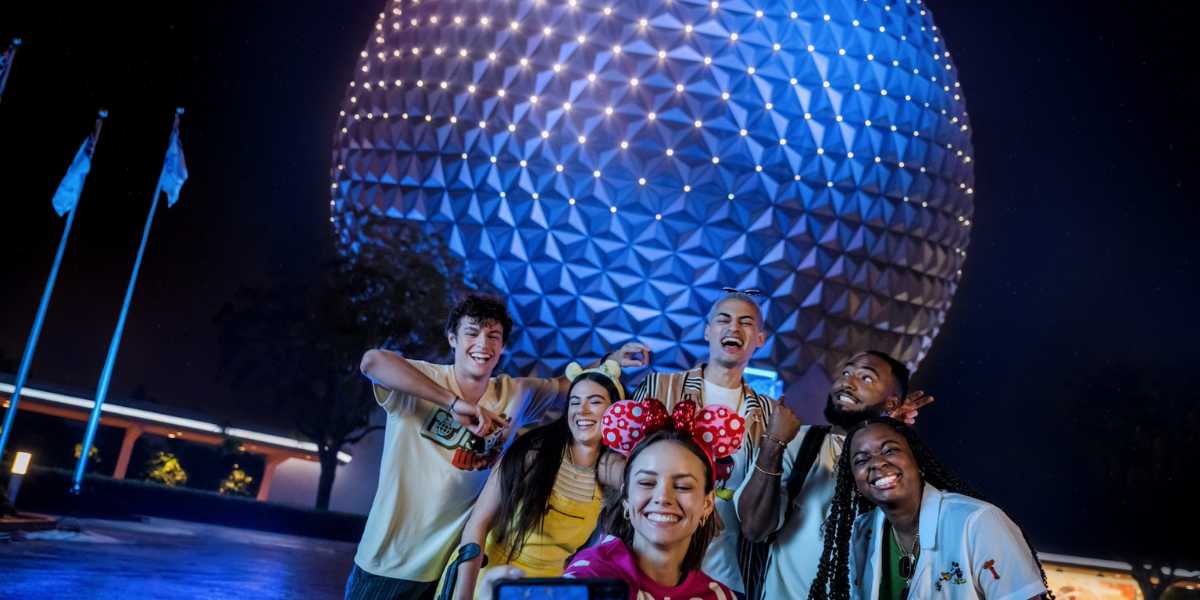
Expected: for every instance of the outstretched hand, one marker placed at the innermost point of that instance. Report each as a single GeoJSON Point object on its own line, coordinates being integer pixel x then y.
{"type": "Point", "coordinates": [907, 411]}
{"type": "Point", "coordinates": [632, 354]}
{"type": "Point", "coordinates": [477, 419]}
{"type": "Point", "coordinates": [488, 582]}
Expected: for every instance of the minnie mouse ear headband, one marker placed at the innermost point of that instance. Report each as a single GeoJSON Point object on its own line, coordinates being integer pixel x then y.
{"type": "Point", "coordinates": [609, 368]}
{"type": "Point", "coordinates": [716, 429]}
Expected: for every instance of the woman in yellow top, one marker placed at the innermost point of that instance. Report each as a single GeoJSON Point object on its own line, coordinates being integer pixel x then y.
{"type": "Point", "coordinates": [543, 502]}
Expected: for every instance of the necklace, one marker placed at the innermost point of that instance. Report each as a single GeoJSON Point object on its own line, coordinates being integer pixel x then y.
{"type": "Point", "coordinates": [908, 558]}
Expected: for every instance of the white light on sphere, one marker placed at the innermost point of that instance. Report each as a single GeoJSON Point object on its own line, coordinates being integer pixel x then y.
{"type": "Point", "coordinates": [680, 105]}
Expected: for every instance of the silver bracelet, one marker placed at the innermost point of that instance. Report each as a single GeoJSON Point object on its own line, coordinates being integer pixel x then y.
{"type": "Point", "coordinates": [774, 439]}
{"type": "Point", "coordinates": [452, 402]}
{"type": "Point", "coordinates": [766, 472]}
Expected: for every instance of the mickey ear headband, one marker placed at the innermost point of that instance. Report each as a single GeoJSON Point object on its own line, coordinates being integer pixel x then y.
{"type": "Point", "coordinates": [609, 368]}
{"type": "Point", "coordinates": [716, 429]}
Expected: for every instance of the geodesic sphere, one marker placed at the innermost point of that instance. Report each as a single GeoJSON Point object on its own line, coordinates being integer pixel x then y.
{"type": "Point", "coordinates": [610, 166]}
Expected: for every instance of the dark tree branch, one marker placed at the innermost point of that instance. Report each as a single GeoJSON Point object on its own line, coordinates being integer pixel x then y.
{"type": "Point", "coordinates": [295, 349]}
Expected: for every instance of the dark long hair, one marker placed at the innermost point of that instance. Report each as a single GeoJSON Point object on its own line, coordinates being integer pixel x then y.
{"type": "Point", "coordinates": [528, 471]}
{"type": "Point", "coordinates": [617, 525]}
{"type": "Point", "coordinates": [833, 573]}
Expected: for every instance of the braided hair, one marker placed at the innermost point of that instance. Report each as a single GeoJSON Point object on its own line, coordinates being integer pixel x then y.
{"type": "Point", "coordinates": [832, 581]}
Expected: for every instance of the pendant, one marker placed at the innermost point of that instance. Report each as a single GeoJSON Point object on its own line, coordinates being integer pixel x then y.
{"type": "Point", "coordinates": [906, 567]}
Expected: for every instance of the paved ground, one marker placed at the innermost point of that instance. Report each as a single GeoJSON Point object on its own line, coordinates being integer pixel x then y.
{"type": "Point", "coordinates": [174, 560]}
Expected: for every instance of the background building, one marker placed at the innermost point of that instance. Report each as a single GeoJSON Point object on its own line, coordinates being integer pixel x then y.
{"type": "Point", "coordinates": [610, 167]}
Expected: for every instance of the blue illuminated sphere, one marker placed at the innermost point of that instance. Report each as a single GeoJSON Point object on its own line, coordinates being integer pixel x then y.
{"type": "Point", "coordinates": [610, 166]}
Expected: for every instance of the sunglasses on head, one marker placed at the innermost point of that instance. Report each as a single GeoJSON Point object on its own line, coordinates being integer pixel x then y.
{"type": "Point", "coordinates": [747, 291]}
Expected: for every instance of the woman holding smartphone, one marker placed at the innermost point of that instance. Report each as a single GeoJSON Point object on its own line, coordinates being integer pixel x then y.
{"type": "Point", "coordinates": [665, 520]}
{"type": "Point", "coordinates": [544, 500]}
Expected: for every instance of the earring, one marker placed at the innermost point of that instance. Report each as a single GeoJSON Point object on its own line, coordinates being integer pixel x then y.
{"type": "Point", "coordinates": [627, 517]}
{"type": "Point", "coordinates": [703, 521]}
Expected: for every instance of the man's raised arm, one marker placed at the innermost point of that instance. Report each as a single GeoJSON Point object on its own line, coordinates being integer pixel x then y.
{"type": "Point", "coordinates": [630, 355]}
{"type": "Point", "coordinates": [393, 371]}
{"type": "Point", "coordinates": [759, 498]}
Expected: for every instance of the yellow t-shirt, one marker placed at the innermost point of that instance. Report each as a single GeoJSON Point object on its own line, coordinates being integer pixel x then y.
{"type": "Point", "coordinates": [575, 503]}
{"type": "Point", "coordinates": [423, 499]}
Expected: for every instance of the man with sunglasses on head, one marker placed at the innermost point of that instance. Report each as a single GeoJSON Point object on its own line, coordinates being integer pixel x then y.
{"type": "Point", "coordinates": [734, 332]}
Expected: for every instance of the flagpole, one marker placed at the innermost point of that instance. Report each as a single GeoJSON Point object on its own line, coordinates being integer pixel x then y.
{"type": "Point", "coordinates": [106, 374]}
{"type": "Point", "coordinates": [12, 54]}
{"type": "Point", "coordinates": [31, 343]}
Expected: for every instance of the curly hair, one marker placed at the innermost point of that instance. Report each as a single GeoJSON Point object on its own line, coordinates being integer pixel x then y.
{"type": "Point", "coordinates": [832, 581]}
{"type": "Point", "coordinates": [616, 525]}
{"type": "Point", "coordinates": [484, 310]}
{"type": "Point", "coordinates": [529, 469]}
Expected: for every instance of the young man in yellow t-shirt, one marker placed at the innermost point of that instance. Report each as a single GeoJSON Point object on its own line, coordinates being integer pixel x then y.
{"type": "Point", "coordinates": [446, 426]}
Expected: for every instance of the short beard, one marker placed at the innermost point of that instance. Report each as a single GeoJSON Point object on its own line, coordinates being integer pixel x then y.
{"type": "Point", "coordinates": [847, 419]}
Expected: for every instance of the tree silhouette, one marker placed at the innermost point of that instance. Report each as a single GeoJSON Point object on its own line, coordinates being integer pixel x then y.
{"type": "Point", "coordinates": [8, 364]}
{"type": "Point", "coordinates": [305, 344]}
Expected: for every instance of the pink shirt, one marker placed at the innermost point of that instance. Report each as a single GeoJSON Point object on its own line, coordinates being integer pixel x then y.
{"type": "Point", "coordinates": [613, 560]}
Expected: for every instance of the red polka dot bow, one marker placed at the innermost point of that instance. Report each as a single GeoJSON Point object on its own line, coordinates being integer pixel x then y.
{"type": "Point", "coordinates": [716, 429]}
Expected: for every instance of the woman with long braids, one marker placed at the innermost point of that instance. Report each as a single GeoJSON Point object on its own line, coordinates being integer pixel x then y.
{"type": "Point", "coordinates": [902, 526]}
{"type": "Point", "coordinates": [543, 502]}
{"type": "Point", "coordinates": [665, 520]}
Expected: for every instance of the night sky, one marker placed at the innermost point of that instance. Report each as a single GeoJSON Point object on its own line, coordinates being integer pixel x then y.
{"type": "Point", "coordinates": [1063, 373]}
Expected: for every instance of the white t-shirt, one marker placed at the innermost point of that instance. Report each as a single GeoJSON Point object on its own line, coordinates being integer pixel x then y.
{"type": "Point", "coordinates": [970, 550]}
{"type": "Point", "coordinates": [720, 562]}
{"type": "Point", "coordinates": [798, 544]}
{"type": "Point", "coordinates": [423, 499]}
{"type": "Point", "coordinates": [728, 397]}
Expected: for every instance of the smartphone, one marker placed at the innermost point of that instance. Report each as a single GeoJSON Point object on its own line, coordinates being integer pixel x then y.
{"type": "Point", "coordinates": [560, 588]}
{"type": "Point", "coordinates": [483, 446]}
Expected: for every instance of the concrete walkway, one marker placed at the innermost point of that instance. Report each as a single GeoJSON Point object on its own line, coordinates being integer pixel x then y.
{"type": "Point", "coordinates": [173, 560]}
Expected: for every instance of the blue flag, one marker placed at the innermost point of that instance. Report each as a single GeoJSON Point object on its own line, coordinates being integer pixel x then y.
{"type": "Point", "coordinates": [67, 195]}
{"type": "Point", "coordinates": [174, 171]}
{"type": "Point", "coordinates": [6, 59]}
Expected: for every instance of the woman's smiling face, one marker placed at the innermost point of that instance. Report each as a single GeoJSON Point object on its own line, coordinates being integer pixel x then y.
{"type": "Point", "coordinates": [885, 470]}
{"type": "Point", "coordinates": [585, 406]}
{"type": "Point", "coordinates": [666, 498]}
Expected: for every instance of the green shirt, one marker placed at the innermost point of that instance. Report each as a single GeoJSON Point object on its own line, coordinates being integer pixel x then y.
{"type": "Point", "coordinates": [891, 585]}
